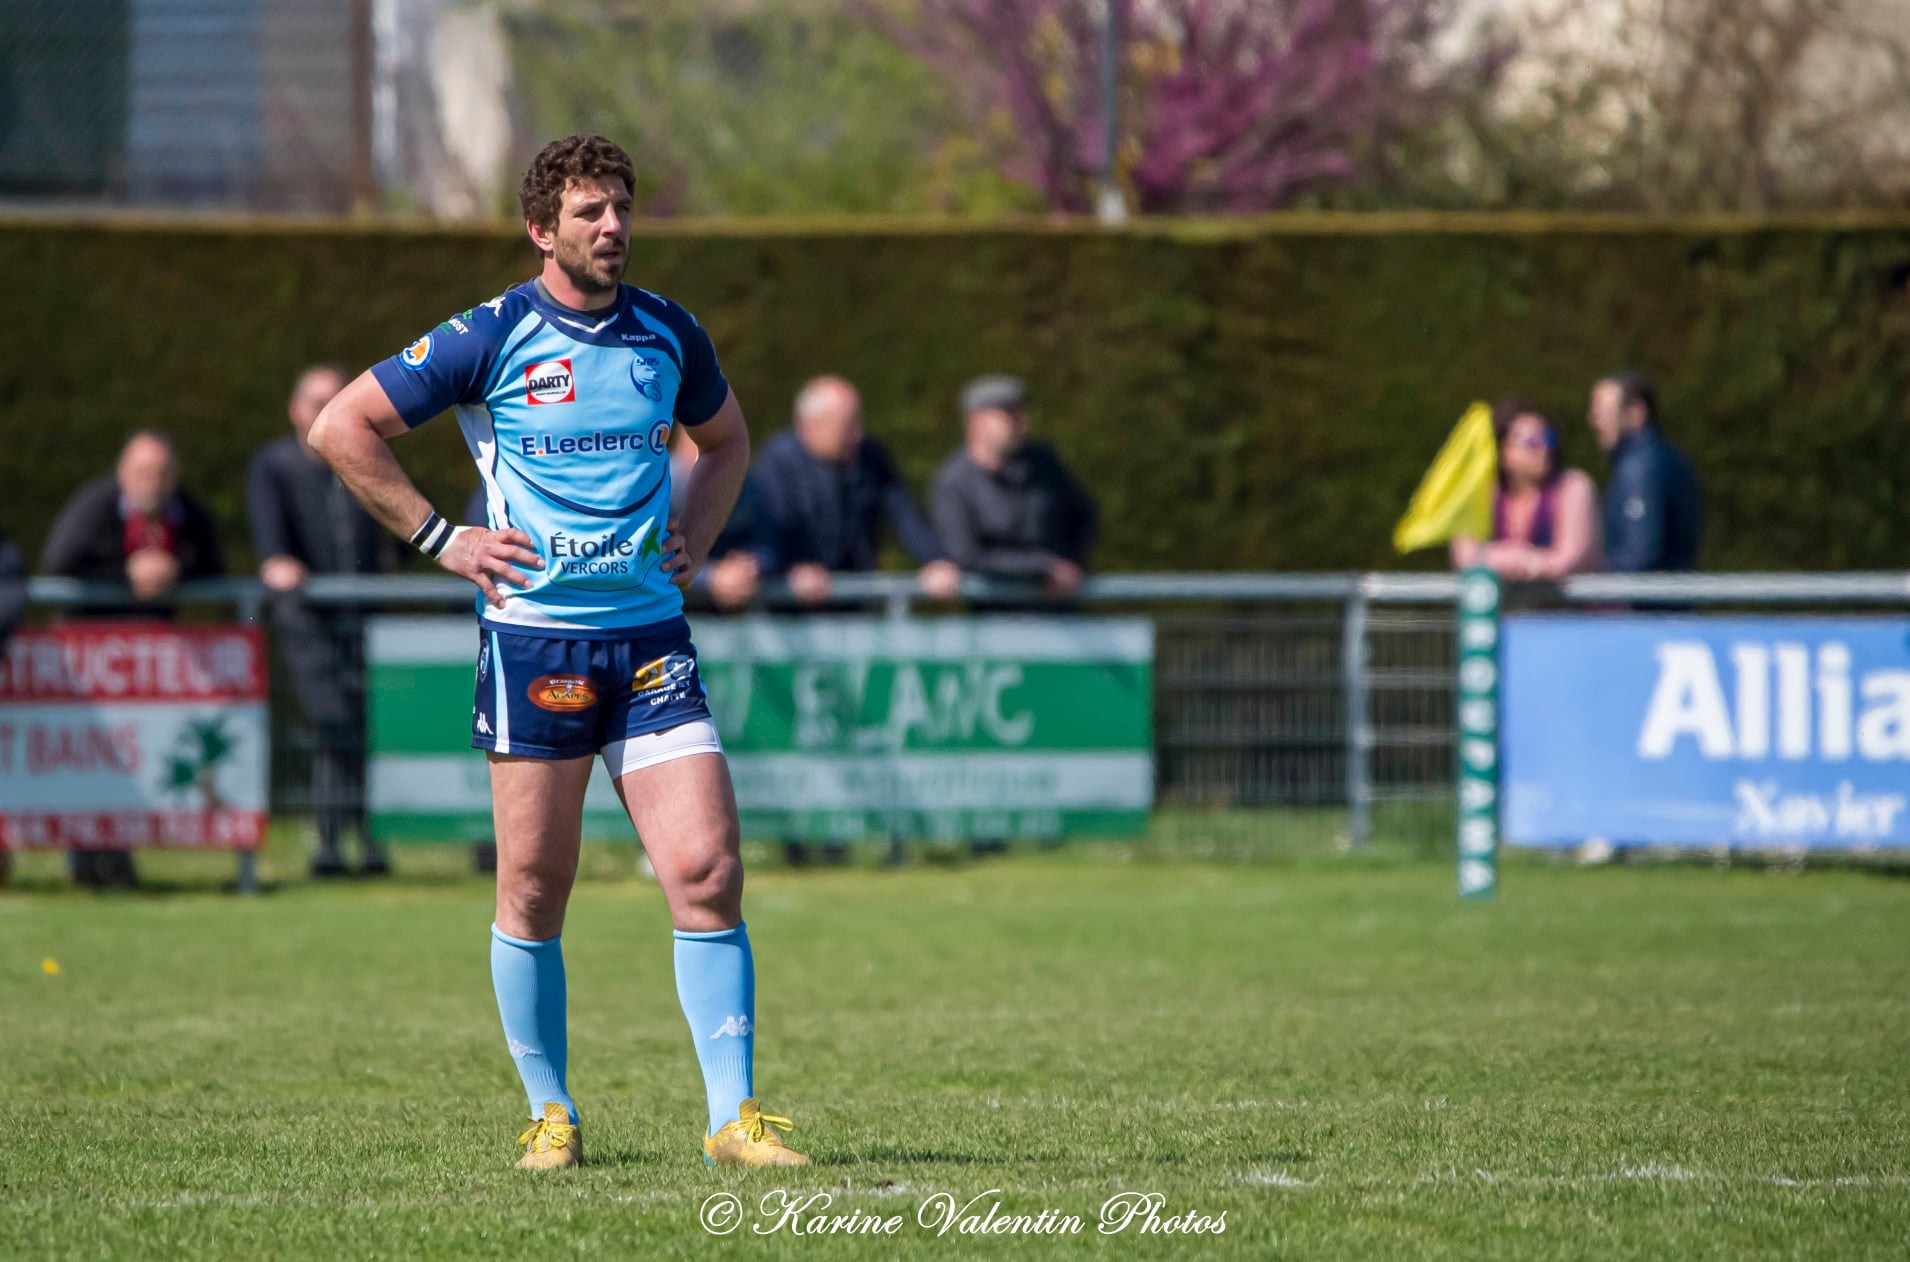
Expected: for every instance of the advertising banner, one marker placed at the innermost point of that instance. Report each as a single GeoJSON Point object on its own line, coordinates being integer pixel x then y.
{"type": "Point", "coordinates": [1756, 732]}
{"type": "Point", "coordinates": [121, 734]}
{"type": "Point", "coordinates": [835, 727]}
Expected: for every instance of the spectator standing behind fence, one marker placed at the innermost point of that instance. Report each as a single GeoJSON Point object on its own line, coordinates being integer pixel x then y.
{"type": "Point", "coordinates": [826, 488]}
{"type": "Point", "coordinates": [13, 588]}
{"type": "Point", "coordinates": [138, 528]}
{"type": "Point", "coordinates": [134, 527]}
{"type": "Point", "coordinates": [1545, 517]}
{"type": "Point", "coordinates": [1006, 506]}
{"type": "Point", "coordinates": [1653, 507]}
{"type": "Point", "coordinates": [304, 523]}
{"type": "Point", "coordinates": [744, 555]}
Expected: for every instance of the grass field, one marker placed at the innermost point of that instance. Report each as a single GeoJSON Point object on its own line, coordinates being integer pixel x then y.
{"type": "Point", "coordinates": [1670, 1062]}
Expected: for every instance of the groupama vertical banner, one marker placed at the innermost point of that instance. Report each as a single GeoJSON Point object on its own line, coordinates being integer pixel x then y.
{"type": "Point", "coordinates": [836, 727]}
{"type": "Point", "coordinates": [123, 734]}
{"type": "Point", "coordinates": [1705, 731]}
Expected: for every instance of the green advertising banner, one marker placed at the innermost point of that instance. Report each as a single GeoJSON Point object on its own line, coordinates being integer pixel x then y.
{"type": "Point", "coordinates": [836, 728]}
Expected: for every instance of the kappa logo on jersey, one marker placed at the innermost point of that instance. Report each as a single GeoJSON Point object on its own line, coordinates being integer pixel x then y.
{"type": "Point", "coordinates": [416, 355]}
{"type": "Point", "coordinates": [561, 693]}
{"type": "Point", "coordinates": [550, 382]}
{"type": "Point", "coordinates": [643, 375]}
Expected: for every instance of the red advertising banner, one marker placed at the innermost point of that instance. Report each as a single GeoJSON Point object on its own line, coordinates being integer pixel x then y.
{"type": "Point", "coordinates": [123, 734]}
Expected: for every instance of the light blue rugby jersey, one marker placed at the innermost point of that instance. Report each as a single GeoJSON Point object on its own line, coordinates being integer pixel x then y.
{"type": "Point", "coordinates": [568, 415]}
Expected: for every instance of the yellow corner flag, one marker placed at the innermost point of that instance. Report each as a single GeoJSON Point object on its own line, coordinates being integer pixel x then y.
{"type": "Point", "coordinates": [1455, 496]}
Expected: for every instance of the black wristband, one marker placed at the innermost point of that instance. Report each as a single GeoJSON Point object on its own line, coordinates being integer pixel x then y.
{"type": "Point", "coordinates": [432, 537]}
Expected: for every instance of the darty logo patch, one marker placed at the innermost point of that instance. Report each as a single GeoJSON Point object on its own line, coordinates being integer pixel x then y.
{"type": "Point", "coordinates": [562, 692]}
{"type": "Point", "coordinates": [550, 382]}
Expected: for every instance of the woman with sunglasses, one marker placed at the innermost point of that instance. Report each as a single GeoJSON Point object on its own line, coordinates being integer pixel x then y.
{"type": "Point", "coordinates": [1545, 519]}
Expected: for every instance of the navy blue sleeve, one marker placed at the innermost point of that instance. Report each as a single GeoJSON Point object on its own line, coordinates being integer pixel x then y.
{"type": "Point", "coordinates": [1084, 518]}
{"type": "Point", "coordinates": [1635, 518]}
{"type": "Point", "coordinates": [449, 365]}
{"type": "Point", "coordinates": [781, 526]}
{"type": "Point", "coordinates": [704, 386]}
{"type": "Point", "coordinates": [900, 508]}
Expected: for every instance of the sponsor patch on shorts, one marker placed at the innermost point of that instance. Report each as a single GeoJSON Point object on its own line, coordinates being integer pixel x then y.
{"type": "Point", "coordinates": [562, 692]}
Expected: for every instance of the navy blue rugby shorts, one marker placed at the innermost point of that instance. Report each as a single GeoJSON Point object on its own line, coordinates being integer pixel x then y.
{"type": "Point", "coordinates": [559, 698]}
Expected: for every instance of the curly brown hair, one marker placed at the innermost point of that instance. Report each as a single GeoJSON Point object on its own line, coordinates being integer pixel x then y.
{"type": "Point", "coordinates": [561, 161]}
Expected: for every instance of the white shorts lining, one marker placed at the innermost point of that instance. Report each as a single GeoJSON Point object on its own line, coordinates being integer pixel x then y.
{"type": "Point", "coordinates": [637, 752]}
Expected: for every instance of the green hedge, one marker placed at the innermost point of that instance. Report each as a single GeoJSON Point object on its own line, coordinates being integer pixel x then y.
{"type": "Point", "coordinates": [1242, 396]}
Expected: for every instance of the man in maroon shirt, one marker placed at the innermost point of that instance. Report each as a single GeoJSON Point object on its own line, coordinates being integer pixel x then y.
{"type": "Point", "coordinates": [138, 528]}
{"type": "Point", "coordinates": [135, 527]}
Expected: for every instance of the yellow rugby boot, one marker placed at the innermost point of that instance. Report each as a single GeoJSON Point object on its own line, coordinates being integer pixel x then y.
{"type": "Point", "coordinates": [552, 1141]}
{"type": "Point", "coordinates": [751, 1140]}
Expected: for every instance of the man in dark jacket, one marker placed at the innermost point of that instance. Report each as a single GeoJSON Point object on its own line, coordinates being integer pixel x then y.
{"type": "Point", "coordinates": [135, 527]}
{"type": "Point", "coordinates": [13, 588]}
{"type": "Point", "coordinates": [1008, 507]}
{"type": "Point", "coordinates": [138, 528]}
{"type": "Point", "coordinates": [303, 523]}
{"type": "Point", "coordinates": [825, 490]}
{"type": "Point", "coordinates": [1653, 508]}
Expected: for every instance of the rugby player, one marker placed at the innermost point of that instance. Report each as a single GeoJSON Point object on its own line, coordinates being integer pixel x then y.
{"type": "Point", "coordinates": [567, 389]}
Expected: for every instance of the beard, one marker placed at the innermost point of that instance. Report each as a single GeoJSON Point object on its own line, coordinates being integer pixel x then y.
{"type": "Point", "coordinates": [591, 274]}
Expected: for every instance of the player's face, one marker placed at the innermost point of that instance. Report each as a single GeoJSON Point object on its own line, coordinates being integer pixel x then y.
{"type": "Point", "coordinates": [592, 241]}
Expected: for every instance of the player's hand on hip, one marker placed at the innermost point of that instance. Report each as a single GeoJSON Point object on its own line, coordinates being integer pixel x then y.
{"type": "Point", "coordinates": [677, 561]}
{"type": "Point", "coordinates": [487, 557]}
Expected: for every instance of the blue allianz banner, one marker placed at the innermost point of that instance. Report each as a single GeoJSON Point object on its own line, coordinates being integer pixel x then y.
{"type": "Point", "coordinates": [1700, 731]}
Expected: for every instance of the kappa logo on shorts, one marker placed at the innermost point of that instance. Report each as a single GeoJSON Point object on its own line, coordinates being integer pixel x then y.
{"type": "Point", "coordinates": [561, 693]}
{"type": "Point", "coordinates": [550, 382]}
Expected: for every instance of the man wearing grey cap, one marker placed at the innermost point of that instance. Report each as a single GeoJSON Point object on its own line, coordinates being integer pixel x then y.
{"type": "Point", "coordinates": [1007, 507]}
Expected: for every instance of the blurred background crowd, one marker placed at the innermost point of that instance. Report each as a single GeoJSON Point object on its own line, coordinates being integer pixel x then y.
{"type": "Point", "coordinates": [1691, 252]}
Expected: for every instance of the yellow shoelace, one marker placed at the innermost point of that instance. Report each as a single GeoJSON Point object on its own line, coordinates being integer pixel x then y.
{"type": "Point", "coordinates": [558, 1132]}
{"type": "Point", "coordinates": [758, 1132]}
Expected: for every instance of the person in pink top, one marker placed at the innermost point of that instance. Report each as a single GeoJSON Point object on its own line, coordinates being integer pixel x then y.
{"type": "Point", "coordinates": [1545, 518]}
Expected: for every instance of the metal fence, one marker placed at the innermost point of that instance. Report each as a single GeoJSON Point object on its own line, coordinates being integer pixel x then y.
{"type": "Point", "coordinates": [1294, 714]}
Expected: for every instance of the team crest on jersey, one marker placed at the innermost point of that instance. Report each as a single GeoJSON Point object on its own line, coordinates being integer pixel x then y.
{"type": "Point", "coordinates": [550, 382]}
{"type": "Point", "coordinates": [562, 692]}
{"type": "Point", "coordinates": [416, 355]}
{"type": "Point", "coordinates": [643, 375]}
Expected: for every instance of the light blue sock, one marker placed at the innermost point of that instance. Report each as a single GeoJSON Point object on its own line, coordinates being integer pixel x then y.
{"type": "Point", "coordinates": [716, 984]}
{"type": "Point", "coordinates": [529, 979]}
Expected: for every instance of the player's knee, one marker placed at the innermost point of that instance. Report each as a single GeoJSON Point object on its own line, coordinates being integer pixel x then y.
{"type": "Point", "coordinates": [710, 878]}
{"type": "Point", "coordinates": [535, 899]}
